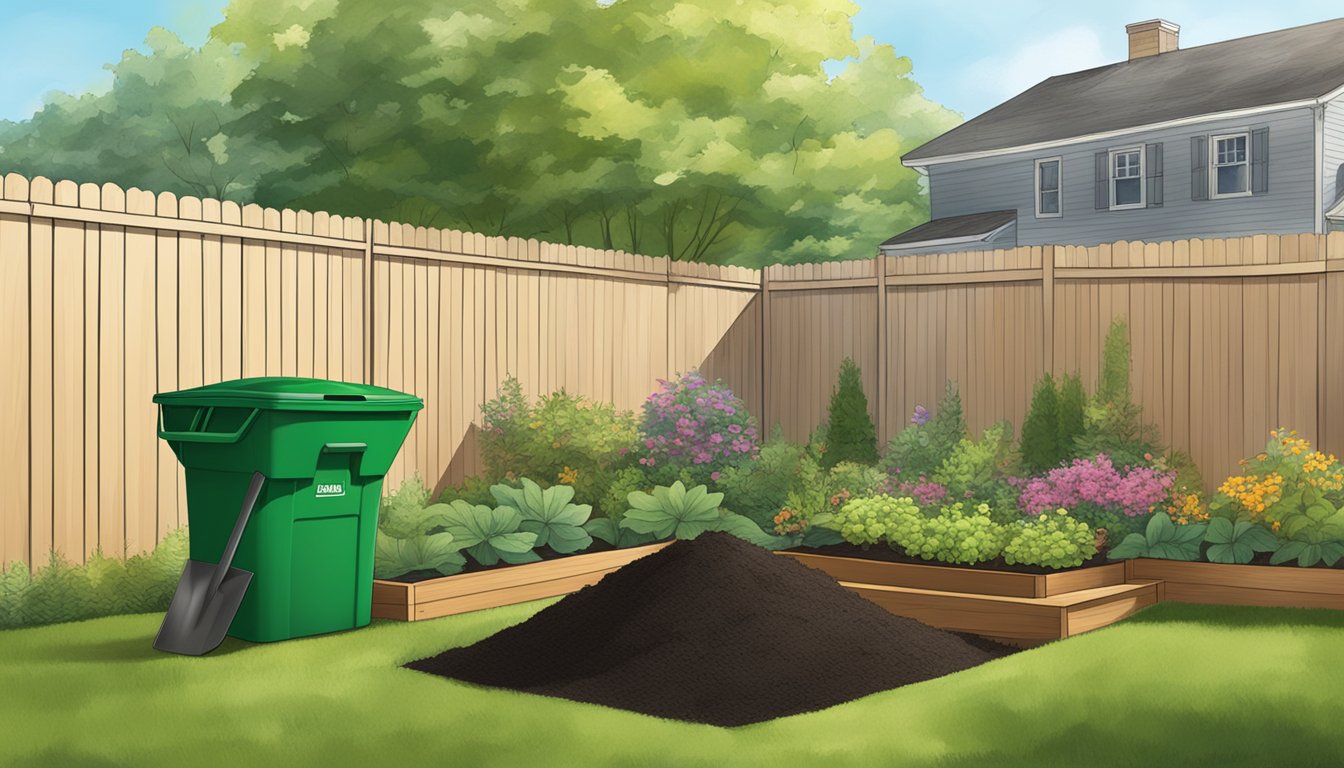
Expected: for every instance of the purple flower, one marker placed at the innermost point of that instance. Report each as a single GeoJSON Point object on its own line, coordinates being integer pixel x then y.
{"type": "Point", "coordinates": [1132, 491]}
{"type": "Point", "coordinates": [920, 417]}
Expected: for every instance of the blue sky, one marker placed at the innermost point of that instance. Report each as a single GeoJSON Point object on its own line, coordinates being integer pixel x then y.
{"type": "Point", "coordinates": [967, 55]}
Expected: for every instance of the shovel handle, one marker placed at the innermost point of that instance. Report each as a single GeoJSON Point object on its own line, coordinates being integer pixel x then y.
{"type": "Point", "coordinates": [226, 560]}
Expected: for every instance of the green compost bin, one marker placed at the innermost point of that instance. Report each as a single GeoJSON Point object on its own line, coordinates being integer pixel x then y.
{"type": "Point", "coordinates": [324, 447]}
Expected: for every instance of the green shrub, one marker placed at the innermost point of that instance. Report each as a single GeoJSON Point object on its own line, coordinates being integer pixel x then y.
{"type": "Point", "coordinates": [402, 514]}
{"type": "Point", "coordinates": [1050, 540]}
{"type": "Point", "coordinates": [850, 434]}
{"type": "Point", "coordinates": [975, 469]}
{"type": "Point", "coordinates": [473, 490]}
{"type": "Point", "coordinates": [1040, 431]}
{"type": "Point", "coordinates": [759, 488]}
{"type": "Point", "coordinates": [866, 521]}
{"type": "Point", "coordinates": [563, 439]}
{"type": "Point", "coordinates": [954, 535]}
{"type": "Point", "coordinates": [920, 448]}
{"type": "Point", "coordinates": [1112, 422]}
{"type": "Point", "coordinates": [616, 499]}
{"type": "Point", "coordinates": [849, 479]}
{"type": "Point", "coordinates": [1071, 403]}
{"type": "Point", "coordinates": [104, 586]}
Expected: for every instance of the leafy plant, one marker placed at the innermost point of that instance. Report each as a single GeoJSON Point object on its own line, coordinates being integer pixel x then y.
{"type": "Point", "coordinates": [473, 490]}
{"type": "Point", "coordinates": [393, 557]}
{"type": "Point", "coordinates": [954, 535]}
{"type": "Point", "coordinates": [402, 513]}
{"type": "Point", "coordinates": [1051, 540]}
{"type": "Point", "coordinates": [745, 529]}
{"type": "Point", "coordinates": [850, 435]}
{"type": "Point", "coordinates": [866, 521]}
{"type": "Point", "coordinates": [973, 468]}
{"type": "Point", "coordinates": [615, 499]}
{"type": "Point", "coordinates": [692, 425]}
{"type": "Point", "coordinates": [1237, 542]}
{"type": "Point", "coordinates": [1040, 447]}
{"type": "Point", "coordinates": [1162, 539]}
{"type": "Point", "coordinates": [1314, 535]}
{"type": "Point", "coordinates": [488, 535]}
{"type": "Point", "coordinates": [673, 511]}
{"type": "Point", "coordinates": [557, 523]}
{"type": "Point", "coordinates": [759, 488]}
{"type": "Point", "coordinates": [609, 530]}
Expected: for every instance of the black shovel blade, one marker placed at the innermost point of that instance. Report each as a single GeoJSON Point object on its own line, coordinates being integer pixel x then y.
{"type": "Point", "coordinates": [197, 621]}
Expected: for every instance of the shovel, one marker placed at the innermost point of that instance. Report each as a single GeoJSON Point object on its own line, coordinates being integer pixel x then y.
{"type": "Point", "coordinates": [208, 595]}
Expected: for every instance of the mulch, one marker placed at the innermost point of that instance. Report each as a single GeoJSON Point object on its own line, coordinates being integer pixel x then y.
{"type": "Point", "coordinates": [713, 630]}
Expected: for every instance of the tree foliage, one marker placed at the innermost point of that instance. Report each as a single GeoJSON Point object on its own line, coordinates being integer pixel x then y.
{"type": "Point", "coordinates": [851, 435]}
{"type": "Point", "coordinates": [700, 129]}
{"type": "Point", "coordinates": [1040, 431]}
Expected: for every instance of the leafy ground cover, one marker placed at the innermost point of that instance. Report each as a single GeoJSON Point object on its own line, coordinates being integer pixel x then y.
{"type": "Point", "coordinates": [1174, 685]}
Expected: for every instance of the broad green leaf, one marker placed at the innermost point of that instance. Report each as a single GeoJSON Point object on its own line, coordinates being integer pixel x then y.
{"type": "Point", "coordinates": [1159, 529]}
{"type": "Point", "coordinates": [1289, 551]}
{"type": "Point", "coordinates": [395, 557]}
{"type": "Point", "coordinates": [603, 528]}
{"type": "Point", "coordinates": [1134, 545]}
{"type": "Point", "coordinates": [745, 529]}
{"type": "Point", "coordinates": [1220, 531]}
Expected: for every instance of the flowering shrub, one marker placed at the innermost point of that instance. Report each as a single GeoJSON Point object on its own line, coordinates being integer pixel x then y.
{"type": "Point", "coordinates": [921, 447]}
{"type": "Point", "coordinates": [1096, 482]}
{"type": "Point", "coordinates": [692, 424]}
{"type": "Point", "coordinates": [1285, 479]}
{"type": "Point", "coordinates": [562, 439]}
{"type": "Point", "coordinates": [925, 492]}
{"type": "Point", "coordinates": [759, 488]}
{"type": "Point", "coordinates": [1051, 540]}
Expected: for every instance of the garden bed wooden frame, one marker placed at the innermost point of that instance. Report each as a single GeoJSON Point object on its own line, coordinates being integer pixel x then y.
{"type": "Point", "coordinates": [950, 578]}
{"type": "Point", "coordinates": [1269, 586]}
{"type": "Point", "coordinates": [464, 592]}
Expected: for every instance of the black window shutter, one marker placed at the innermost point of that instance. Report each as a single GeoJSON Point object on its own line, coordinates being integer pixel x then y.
{"type": "Point", "coordinates": [1260, 161]}
{"type": "Point", "coordinates": [1103, 180]}
{"type": "Point", "coordinates": [1154, 173]}
{"type": "Point", "coordinates": [1199, 167]}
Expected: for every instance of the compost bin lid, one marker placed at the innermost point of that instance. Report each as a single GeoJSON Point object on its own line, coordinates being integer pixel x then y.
{"type": "Point", "coordinates": [287, 393]}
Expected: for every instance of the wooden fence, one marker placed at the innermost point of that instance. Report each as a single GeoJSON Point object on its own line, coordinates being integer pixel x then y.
{"type": "Point", "coordinates": [108, 296]}
{"type": "Point", "coordinates": [1230, 337]}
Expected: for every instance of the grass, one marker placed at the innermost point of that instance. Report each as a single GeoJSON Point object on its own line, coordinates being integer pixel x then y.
{"type": "Point", "coordinates": [1175, 685]}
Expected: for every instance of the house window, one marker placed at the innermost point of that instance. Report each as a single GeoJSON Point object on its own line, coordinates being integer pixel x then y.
{"type": "Point", "coordinates": [1231, 165]}
{"type": "Point", "coordinates": [1127, 178]}
{"type": "Point", "coordinates": [1047, 188]}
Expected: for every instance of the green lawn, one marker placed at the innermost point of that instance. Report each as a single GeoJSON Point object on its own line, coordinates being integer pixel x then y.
{"type": "Point", "coordinates": [1176, 685]}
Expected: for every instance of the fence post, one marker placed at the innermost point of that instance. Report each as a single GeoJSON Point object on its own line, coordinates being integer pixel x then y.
{"type": "Point", "coordinates": [1048, 306]}
{"type": "Point", "coordinates": [880, 264]}
{"type": "Point", "coordinates": [368, 301]}
{"type": "Point", "coordinates": [767, 426]}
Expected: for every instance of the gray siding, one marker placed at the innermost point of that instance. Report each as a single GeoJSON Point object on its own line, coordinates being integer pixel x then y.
{"type": "Point", "coordinates": [1005, 239]}
{"type": "Point", "coordinates": [1333, 176]}
{"type": "Point", "coordinates": [1006, 182]}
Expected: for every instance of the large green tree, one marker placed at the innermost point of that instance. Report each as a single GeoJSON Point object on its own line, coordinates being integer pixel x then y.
{"type": "Point", "coordinates": [701, 129]}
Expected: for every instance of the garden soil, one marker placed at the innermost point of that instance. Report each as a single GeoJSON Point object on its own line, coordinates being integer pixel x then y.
{"type": "Point", "coordinates": [713, 630]}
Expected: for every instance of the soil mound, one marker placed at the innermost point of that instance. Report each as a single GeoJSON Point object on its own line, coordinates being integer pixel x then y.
{"type": "Point", "coordinates": [716, 631]}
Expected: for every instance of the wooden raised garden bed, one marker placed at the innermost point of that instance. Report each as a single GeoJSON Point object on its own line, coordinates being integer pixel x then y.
{"type": "Point", "coordinates": [464, 592]}
{"type": "Point", "coordinates": [946, 578]}
{"type": "Point", "coordinates": [1271, 586]}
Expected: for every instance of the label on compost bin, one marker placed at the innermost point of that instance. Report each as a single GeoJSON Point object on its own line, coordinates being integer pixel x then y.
{"type": "Point", "coordinates": [326, 490]}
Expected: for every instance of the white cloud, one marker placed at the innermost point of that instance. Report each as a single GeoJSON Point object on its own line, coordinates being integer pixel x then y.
{"type": "Point", "coordinates": [1067, 50]}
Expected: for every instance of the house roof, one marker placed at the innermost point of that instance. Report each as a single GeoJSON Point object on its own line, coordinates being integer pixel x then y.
{"type": "Point", "coordinates": [1273, 68]}
{"type": "Point", "coordinates": [953, 229]}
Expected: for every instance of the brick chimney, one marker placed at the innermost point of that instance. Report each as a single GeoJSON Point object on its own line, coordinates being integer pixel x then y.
{"type": "Point", "coordinates": [1150, 38]}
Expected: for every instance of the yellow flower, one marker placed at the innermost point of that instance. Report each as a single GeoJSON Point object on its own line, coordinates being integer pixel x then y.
{"type": "Point", "coordinates": [535, 425]}
{"type": "Point", "coordinates": [568, 476]}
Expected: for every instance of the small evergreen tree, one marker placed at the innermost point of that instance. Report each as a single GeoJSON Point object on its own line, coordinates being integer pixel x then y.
{"type": "Point", "coordinates": [851, 435]}
{"type": "Point", "coordinates": [1113, 387]}
{"type": "Point", "coordinates": [948, 425]}
{"type": "Point", "coordinates": [1113, 423]}
{"type": "Point", "coordinates": [1040, 432]}
{"type": "Point", "coordinates": [1071, 403]}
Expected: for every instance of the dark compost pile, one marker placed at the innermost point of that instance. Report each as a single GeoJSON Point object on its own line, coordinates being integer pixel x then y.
{"type": "Point", "coordinates": [713, 630]}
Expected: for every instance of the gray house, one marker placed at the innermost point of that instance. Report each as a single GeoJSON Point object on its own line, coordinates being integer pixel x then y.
{"type": "Point", "coordinates": [1235, 138]}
